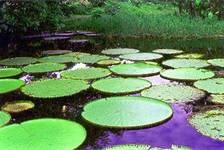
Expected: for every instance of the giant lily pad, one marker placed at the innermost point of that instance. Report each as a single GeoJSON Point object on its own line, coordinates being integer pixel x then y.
{"type": "Point", "coordinates": [119, 51]}
{"type": "Point", "coordinates": [217, 99]}
{"type": "Point", "coordinates": [217, 62]}
{"type": "Point", "coordinates": [9, 85]}
{"type": "Point", "coordinates": [168, 51]}
{"type": "Point", "coordinates": [187, 74]}
{"type": "Point", "coordinates": [108, 62]}
{"type": "Point", "coordinates": [89, 59]}
{"type": "Point", "coordinates": [186, 63]}
{"type": "Point", "coordinates": [141, 56]}
{"type": "Point", "coordinates": [56, 52]}
{"type": "Point", "coordinates": [43, 67]}
{"type": "Point", "coordinates": [136, 69]}
{"type": "Point", "coordinates": [53, 88]}
{"type": "Point", "coordinates": [215, 85]}
{"type": "Point", "coordinates": [209, 122]}
{"type": "Point", "coordinates": [120, 85]}
{"type": "Point", "coordinates": [9, 72]}
{"type": "Point", "coordinates": [17, 106]}
{"type": "Point", "coordinates": [190, 56]}
{"type": "Point", "coordinates": [57, 59]}
{"type": "Point", "coordinates": [174, 93]}
{"type": "Point", "coordinates": [18, 61]}
{"type": "Point", "coordinates": [4, 118]}
{"type": "Point", "coordinates": [123, 112]}
{"type": "Point", "coordinates": [86, 73]}
{"type": "Point", "coordinates": [44, 134]}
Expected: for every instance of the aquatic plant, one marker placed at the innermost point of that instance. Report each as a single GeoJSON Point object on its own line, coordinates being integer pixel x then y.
{"type": "Point", "coordinates": [119, 51]}
{"type": "Point", "coordinates": [9, 85]}
{"type": "Point", "coordinates": [4, 118]}
{"type": "Point", "coordinates": [190, 56]}
{"type": "Point", "coordinates": [57, 59]}
{"type": "Point", "coordinates": [216, 99]}
{"type": "Point", "coordinates": [186, 63]}
{"type": "Point", "coordinates": [108, 62]}
{"type": "Point", "coordinates": [55, 52]}
{"type": "Point", "coordinates": [17, 106]}
{"type": "Point", "coordinates": [141, 56]}
{"type": "Point", "coordinates": [217, 62]}
{"type": "Point", "coordinates": [89, 59]}
{"type": "Point", "coordinates": [167, 51]}
{"type": "Point", "coordinates": [9, 72]}
{"type": "Point", "coordinates": [18, 61]}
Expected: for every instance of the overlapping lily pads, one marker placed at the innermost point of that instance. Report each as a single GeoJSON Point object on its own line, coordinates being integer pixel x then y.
{"type": "Point", "coordinates": [123, 112]}
{"type": "Point", "coordinates": [174, 93]}
{"type": "Point", "coordinates": [136, 69]}
{"type": "Point", "coordinates": [141, 56]}
{"type": "Point", "coordinates": [187, 74]}
{"type": "Point", "coordinates": [119, 51]}
{"type": "Point", "coordinates": [186, 63]}
{"type": "Point", "coordinates": [44, 134]}
{"type": "Point", "coordinates": [217, 62]}
{"type": "Point", "coordinates": [121, 85]}
{"type": "Point", "coordinates": [43, 67]}
{"type": "Point", "coordinates": [215, 85]}
{"type": "Point", "coordinates": [4, 118]}
{"type": "Point", "coordinates": [108, 62]}
{"type": "Point", "coordinates": [190, 56]}
{"type": "Point", "coordinates": [86, 73]}
{"type": "Point", "coordinates": [57, 59]}
{"type": "Point", "coordinates": [56, 52]}
{"type": "Point", "coordinates": [18, 61]}
{"type": "Point", "coordinates": [9, 72]}
{"type": "Point", "coordinates": [17, 106]}
{"type": "Point", "coordinates": [9, 85]}
{"type": "Point", "coordinates": [168, 51]}
{"type": "Point", "coordinates": [89, 59]}
{"type": "Point", "coordinates": [53, 88]}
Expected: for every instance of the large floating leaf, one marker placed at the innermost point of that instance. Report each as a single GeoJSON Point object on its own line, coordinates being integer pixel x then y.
{"type": "Point", "coordinates": [17, 106]}
{"type": "Point", "coordinates": [4, 118]}
{"type": "Point", "coordinates": [215, 86]}
{"type": "Point", "coordinates": [43, 67]}
{"type": "Point", "coordinates": [9, 72]}
{"type": "Point", "coordinates": [53, 88]}
{"type": "Point", "coordinates": [187, 74]}
{"type": "Point", "coordinates": [18, 61]}
{"type": "Point", "coordinates": [136, 69]}
{"type": "Point", "coordinates": [217, 62]}
{"type": "Point", "coordinates": [190, 56]}
{"type": "Point", "coordinates": [186, 63]}
{"type": "Point", "coordinates": [57, 59]}
{"type": "Point", "coordinates": [174, 93]}
{"type": "Point", "coordinates": [56, 52]}
{"type": "Point", "coordinates": [217, 99]}
{"type": "Point", "coordinates": [108, 62]}
{"type": "Point", "coordinates": [141, 56]}
{"type": "Point", "coordinates": [168, 51]}
{"type": "Point", "coordinates": [9, 85]}
{"type": "Point", "coordinates": [209, 122]}
{"type": "Point", "coordinates": [120, 85]}
{"type": "Point", "coordinates": [86, 73]}
{"type": "Point", "coordinates": [90, 59]}
{"type": "Point", "coordinates": [127, 112]}
{"type": "Point", "coordinates": [44, 134]}
{"type": "Point", "coordinates": [119, 51]}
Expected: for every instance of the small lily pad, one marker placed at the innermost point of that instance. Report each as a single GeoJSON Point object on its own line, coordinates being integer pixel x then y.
{"type": "Point", "coordinates": [190, 56]}
{"type": "Point", "coordinates": [56, 52]}
{"type": "Point", "coordinates": [141, 56]}
{"type": "Point", "coordinates": [136, 69]}
{"type": "Point", "coordinates": [108, 62]}
{"type": "Point", "coordinates": [17, 106]}
{"type": "Point", "coordinates": [43, 67]}
{"type": "Point", "coordinates": [186, 63]}
{"type": "Point", "coordinates": [89, 59]}
{"type": "Point", "coordinates": [168, 51]}
{"type": "Point", "coordinates": [215, 85]}
{"type": "Point", "coordinates": [128, 147]}
{"type": "Point", "coordinates": [57, 59]}
{"type": "Point", "coordinates": [217, 99]}
{"type": "Point", "coordinates": [9, 72]}
{"type": "Point", "coordinates": [54, 88]}
{"type": "Point", "coordinates": [18, 61]}
{"type": "Point", "coordinates": [122, 112]}
{"type": "Point", "coordinates": [119, 51]}
{"type": "Point", "coordinates": [4, 118]}
{"type": "Point", "coordinates": [44, 134]}
{"type": "Point", "coordinates": [120, 85]}
{"type": "Point", "coordinates": [187, 74]}
{"type": "Point", "coordinates": [217, 62]}
{"type": "Point", "coordinates": [9, 85]}
{"type": "Point", "coordinates": [174, 93]}
{"type": "Point", "coordinates": [86, 73]}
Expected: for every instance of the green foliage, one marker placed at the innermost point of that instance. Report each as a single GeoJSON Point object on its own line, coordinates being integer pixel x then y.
{"type": "Point", "coordinates": [9, 72]}
{"type": "Point", "coordinates": [97, 12]}
{"type": "Point", "coordinates": [4, 118]}
{"type": "Point", "coordinates": [9, 85]}
{"type": "Point", "coordinates": [141, 56]}
{"type": "Point", "coordinates": [186, 63]}
{"type": "Point", "coordinates": [18, 61]}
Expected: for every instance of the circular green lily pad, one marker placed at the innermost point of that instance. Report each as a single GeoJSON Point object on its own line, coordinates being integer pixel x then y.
{"type": "Point", "coordinates": [121, 85]}
{"type": "Point", "coordinates": [17, 106]}
{"type": "Point", "coordinates": [18, 61]}
{"type": "Point", "coordinates": [108, 62]}
{"type": "Point", "coordinates": [187, 74]}
{"type": "Point", "coordinates": [122, 112]}
{"type": "Point", "coordinates": [136, 69]}
{"type": "Point", "coordinates": [215, 85]}
{"type": "Point", "coordinates": [190, 56]}
{"type": "Point", "coordinates": [217, 99]}
{"type": "Point", "coordinates": [77, 54]}
{"type": "Point", "coordinates": [56, 52]}
{"type": "Point", "coordinates": [217, 62]}
{"type": "Point", "coordinates": [186, 63]}
{"type": "Point", "coordinates": [89, 59]}
{"type": "Point", "coordinates": [4, 118]}
{"type": "Point", "coordinates": [9, 85]}
{"type": "Point", "coordinates": [44, 134]}
{"type": "Point", "coordinates": [209, 122]}
{"type": "Point", "coordinates": [53, 88]}
{"type": "Point", "coordinates": [43, 67]}
{"type": "Point", "coordinates": [86, 73]}
{"type": "Point", "coordinates": [174, 93]}
{"type": "Point", "coordinates": [57, 59]}
{"type": "Point", "coordinates": [129, 147]}
{"type": "Point", "coordinates": [9, 72]}
{"type": "Point", "coordinates": [168, 51]}
{"type": "Point", "coordinates": [141, 56]}
{"type": "Point", "coordinates": [119, 51]}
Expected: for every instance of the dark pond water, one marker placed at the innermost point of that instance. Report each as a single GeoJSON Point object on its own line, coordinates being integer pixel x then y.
{"type": "Point", "coordinates": [176, 131]}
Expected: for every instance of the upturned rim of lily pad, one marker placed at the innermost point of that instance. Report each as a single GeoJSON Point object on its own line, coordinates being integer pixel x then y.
{"type": "Point", "coordinates": [6, 118]}
{"type": "Point", "coordinates": [10, 72]}
{"type": "Point", "coordinates": [190, 56]}
{"type": "Point", "coordinates": [108, 62]}
{"type": "Point", "coordinates": [119, 51]}
{"type": "Point", "coordinates": [141, 56]}
{"type": "Point", "coordinates": [168, 51]}
{"type": "Point", "coordinates": [217, 99]}
{"type": "Point", "coordinates": [216, 62]}
{"type": "Point", "coordinates": [18, 84]}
